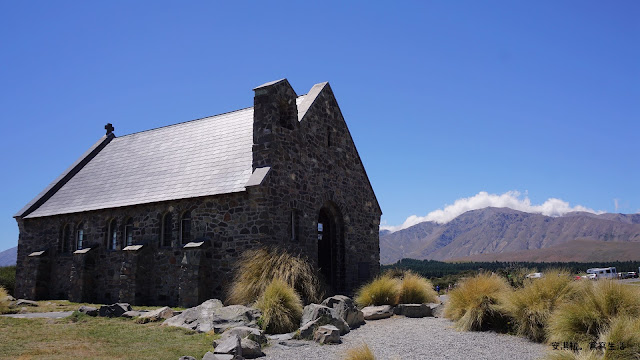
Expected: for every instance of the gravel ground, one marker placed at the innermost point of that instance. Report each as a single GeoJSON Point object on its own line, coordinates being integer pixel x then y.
{"type": "Point", "coordinates": [405, 338]}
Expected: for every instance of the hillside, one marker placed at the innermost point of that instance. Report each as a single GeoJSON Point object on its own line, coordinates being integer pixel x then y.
{"type": "Point", "coordinates": [8, 257]}
{"type": "Point", "coordinates": [507, 231]}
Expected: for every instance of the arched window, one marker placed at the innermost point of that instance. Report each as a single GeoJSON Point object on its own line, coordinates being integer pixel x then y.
{"type": "Point", "coordinates": [185, 227]}
{"type": "Point", "coordinates": [167, 228]}
{"type": "Point", "coordinates": [128, 232]}
{"type": "Point", "coordinates": [81, 236]}
{"type": "Point", "coordinates": [65, 239]}
{"type": "Point", "coordinates": [112, 235]}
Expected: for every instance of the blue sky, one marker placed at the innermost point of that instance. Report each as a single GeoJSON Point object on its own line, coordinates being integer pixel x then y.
{"type": "Point", "coordinates": [444, 100]}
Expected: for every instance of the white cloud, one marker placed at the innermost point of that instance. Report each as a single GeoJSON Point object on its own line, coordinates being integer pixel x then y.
{"type": "Point", "coordinates": [510, 199]}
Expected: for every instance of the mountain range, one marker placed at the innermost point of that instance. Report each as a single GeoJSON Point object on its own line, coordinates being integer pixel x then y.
{"type": "Point", "coordinates": [505, 234]}
{"type": "Point", "coordinates": [8, 257]}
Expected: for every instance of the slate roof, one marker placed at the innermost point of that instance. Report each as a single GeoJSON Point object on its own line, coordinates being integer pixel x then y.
{"type": "Point", "coordinates": [203, 157]}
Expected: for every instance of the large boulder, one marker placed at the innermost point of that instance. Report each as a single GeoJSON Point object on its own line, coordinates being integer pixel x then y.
{"type": "Point", "coordinates": [231, 345]}
{"type": "Point", "coordinates": [114, 310]}
{"type": "Point", "coordinates": [157, 315]}
{"type": "Point", "coordinates": [23, 302]}
{"type": "Point", "coordinates": [327, 334]}
{"type": "Point", "coordinates": [244, 332]}
{"type": "Point", "coordinates": [413, 310]}
{"type": "Point", "coordinates": [250, 349]}
{"type": "Point", "coordinates": [133, 313]}
{"type": "Point", "coordinates": [211, 356]}
{"type": "Point", "coordinates": [212, 315]}
{"type": "Point", "coordinates": [187, 358]}
{"type": "Point", "coordinates": [437, 309]}
{"type": "Point", "coordinates": [321, 315]}
{"type": "Point", "coordinates": [377, 312]}
{"type": "Point", "coordinates": [89, 310]}
{"type": "Point", "coordinates": [344, 307]}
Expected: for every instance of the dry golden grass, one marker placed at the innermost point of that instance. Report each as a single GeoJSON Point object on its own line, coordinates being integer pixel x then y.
{"type": "Point", "coordinates": [475, 304]}
{"type": "Point", "coordinates": [281, 308]}
{"type": "Point", "coordinates": [415, 289]}
{"type": "Point", "coordinates": [257, 268]}
{"type": "Point", "coordinates": [4, 301]}
{"type": "Point", "coordinates": [570, 355]}
{"type": "Point", "coordinates": [590, 313]}
{"type": "Point", "coordinates": [531, 306]}
{"type": "Point", "coordinates": [622, 330]}
{"type": "Point", "coordinates": [362, 352]}
{"type": "Point", "coordinates": [383, 290]}
{"type": "Point", "coordinates": [85, 337]}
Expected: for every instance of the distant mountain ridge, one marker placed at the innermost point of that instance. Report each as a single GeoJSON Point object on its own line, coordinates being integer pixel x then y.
{"type": "Point", "coordinates": [504, 231]}
{"type": "Point", "coordinates": [9, 257]}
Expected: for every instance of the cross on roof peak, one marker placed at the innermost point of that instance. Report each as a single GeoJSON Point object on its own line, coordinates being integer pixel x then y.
{"type": "Point", "coordinates": [109, 128]}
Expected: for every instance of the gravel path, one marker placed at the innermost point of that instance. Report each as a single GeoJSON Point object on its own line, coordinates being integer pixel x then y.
{"type": "Point", "coordinates": [405, 338]}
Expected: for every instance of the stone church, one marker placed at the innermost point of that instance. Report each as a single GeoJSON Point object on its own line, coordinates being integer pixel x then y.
{"type": "Point", "coordinates": [159, 217]}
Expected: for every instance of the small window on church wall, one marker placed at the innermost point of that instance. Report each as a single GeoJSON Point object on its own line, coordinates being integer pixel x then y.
{"type": "Point", "coordinates": [65, 239]}
{"type": "Point", "coordinates": [112, 235]}
{"type": "Point", "coordinates": [80, 236]}
{"type": "Point", "coordinates": [128, 232]}
{"type": "Point", "coordinates": [185, 228]}
{"type": "Point", "coordinates": [167, 227]}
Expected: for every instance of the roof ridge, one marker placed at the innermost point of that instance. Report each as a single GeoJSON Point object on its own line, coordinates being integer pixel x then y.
{"type": "Point", "coordinates": [184, 122]}
{"type": "Point", "coordinates": [188, 121]}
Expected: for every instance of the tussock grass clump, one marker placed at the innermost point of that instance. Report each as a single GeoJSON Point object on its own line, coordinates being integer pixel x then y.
{"type": "Point", "coordinates": [414, 289]}
{"type": "Point", "coordinates": [595, 305]}
{"type": "Point", "coordinates": [257, 268]}
{"type": "Point", "coordinates": [281, 308]}
{"type": "Point", "coordinates": [622, 330]}
{"type": "Point", "coordinates": [531, 306]}
{"type": "Point", "coordinates": [476, 303]}
{"type": "Point", "coordinates": [362, 352]}
{"type": "Point", "coordinates": [383, 290]}
{"type": "Point", "coordinates": [4, 301]}
{"type": "Point", "coordinates": [570, 355]}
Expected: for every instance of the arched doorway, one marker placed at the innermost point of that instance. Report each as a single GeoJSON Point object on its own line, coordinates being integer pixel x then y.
{"type": "Point", "coordinates": [330, 246]}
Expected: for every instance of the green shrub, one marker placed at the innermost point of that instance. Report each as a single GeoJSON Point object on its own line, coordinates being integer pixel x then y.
{"type": "Point", "coordinates": [414, 289]}
{"type": "Point", "coordinates": [590, 313]}
{"type": "Point", "coordinates": [281, 308]}
{"type": "Point", "coordinates": [531, 306]}
{"type": "Point", "coordinates": [257, 268]}
{"type": "Point", "coordinates": [475, 304]}
{"type": "Point", "coordinates": [4, 301]}
{"type": "Point", "coordinates": [361, 352]}
{"type": "Point", "coordinates": [8, 278]}
{"type": "Point", "coordinates": [383, 290]}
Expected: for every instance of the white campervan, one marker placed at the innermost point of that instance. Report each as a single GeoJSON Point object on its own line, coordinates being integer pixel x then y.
{"type": "Point", "coordinates": [604, 273]}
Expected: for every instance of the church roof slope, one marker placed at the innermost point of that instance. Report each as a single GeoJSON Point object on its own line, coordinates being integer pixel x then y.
{"type": "Point", "coordinates": [203, 157]}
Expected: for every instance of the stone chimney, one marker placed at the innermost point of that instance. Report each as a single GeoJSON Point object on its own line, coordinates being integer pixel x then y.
{"type": "Point", "coordinates": [275, 114]}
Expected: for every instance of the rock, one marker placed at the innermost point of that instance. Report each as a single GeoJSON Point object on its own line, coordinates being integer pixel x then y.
{"type": "Point", "coordinates": [114, 310]}
{"type": "Point", "coordinates": [327, 334]}
{"type": "Point", "coordinates": [211, 315]}
{"type": "Point", "coordinates": [377, 312]}
{"type": "Point", "coordinates": [89, 310]}
{"type": "Point", "coordinates": [10, 298]}
{"type": "Point", "coordinates": [231, 345]}
{"type": "Point", "coordinates": [282, 337]}
{"type": "Point", "coordinates": [187, 358]}
{"type": "Point", "coordinates": [243, 332]}
{"type": "Point", "coordinates": [413, 310]}
{"type": "Point", "coordinates": [211, 356]}
{"type": "Point", "coordinates": [132, 313]}
{"type": "Point", "coordinates": [437, 310]}
{"type": "Point", "coordinates": [23, 302]}
{"type": "Point", "coordinates": [250, 349]}
{"type": "Point", "coordinates": [158, 314]}
{"type": "Point", "coordinates": [324, 316]}
{"type": "Point", "coordinates": [343, 307]}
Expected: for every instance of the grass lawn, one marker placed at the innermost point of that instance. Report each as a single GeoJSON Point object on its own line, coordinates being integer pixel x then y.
{"type": "Point", "coordinates": [66, 305]}
{"type": "Point", "coordinates": [83, 337]}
